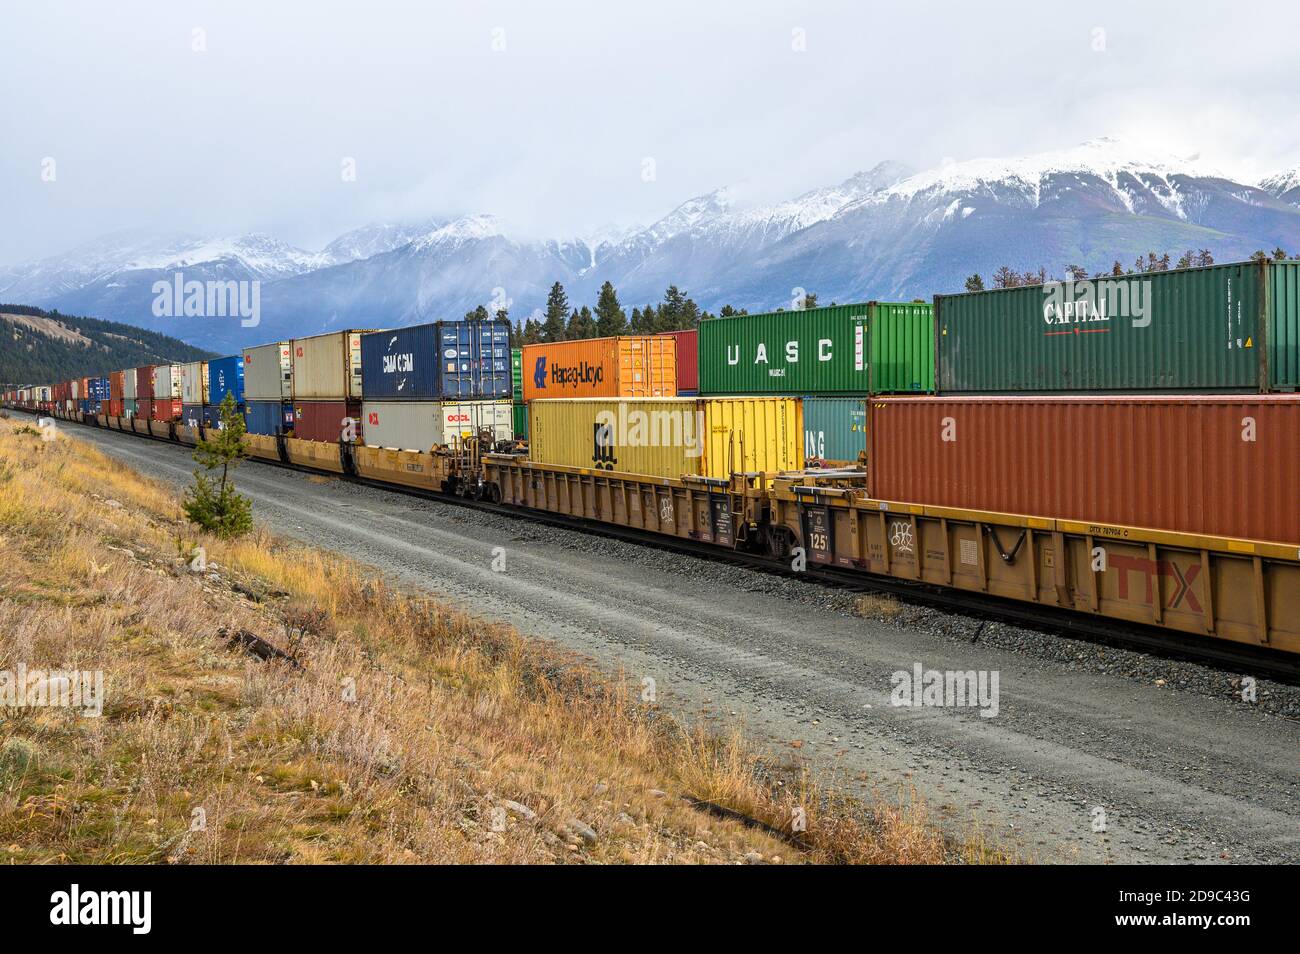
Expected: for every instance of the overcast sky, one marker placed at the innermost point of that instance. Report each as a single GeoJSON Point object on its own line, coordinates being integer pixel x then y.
{"type": "Point", "coordinates": [545, 113]}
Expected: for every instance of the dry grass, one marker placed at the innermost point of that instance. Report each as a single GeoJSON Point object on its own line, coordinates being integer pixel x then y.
{"type": "Point", "coordinates": [411, 732]}
{"type": "Point", "coordinates": [877, 606]}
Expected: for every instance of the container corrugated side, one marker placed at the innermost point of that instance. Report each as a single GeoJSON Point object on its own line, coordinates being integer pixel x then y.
{"type": "Point", "coordinates": [423, 425]}
{"type": "Point", "coordinates": [835, 429]}
{"type": "Point", "coordinates": [129, 391]}
{"type": "Point", "coordinates": [194, 382]}
{"type": "Point", "coordinates": [325, 420]}
{"type": "Point", "coordinates": [226, 376]}
{"type": "Point", "coordinates": [631, 366]}
{"type": "Point", "coordinates": [443, 360]}
{"type": "Point", "coordinates": [268, 417]}
{"type": "Point", "coordinates": [517, 373]}
{"type": "Point", "coordinates": [327, 367]}
{"type": "Point", "coordinates": [168, 410]}
{"type": "Point", "coordinates": [268, 372]}
{"type": "Point", "coordinates": [1196, 329]}
{"type": "Point", "coordinates": [1284, 335]}
{"type": "Point", "coordinates": [688, 360]}
{"type": "Point", "coordinates": [520, 420]}
{"type": "Point", "coordinates": [1211, 464]}
{"type": "Point", "coordinates": [144, 382]}
{"type": "Point", "coordinates": [668, 437]}
{"type": "Point", "coordinates": [902, 347]}
{"type": "Point", "coordinates": [167, 382]}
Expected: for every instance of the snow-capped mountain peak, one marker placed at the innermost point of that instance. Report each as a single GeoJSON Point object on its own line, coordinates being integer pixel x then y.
{"type": "Point", "coordinates": [469, 228]}
{"type": "Point", "coordinates": [1284, 185]}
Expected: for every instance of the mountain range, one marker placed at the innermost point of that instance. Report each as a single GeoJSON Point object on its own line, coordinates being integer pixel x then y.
{"type": "Point", "coordinates": [891, 232]}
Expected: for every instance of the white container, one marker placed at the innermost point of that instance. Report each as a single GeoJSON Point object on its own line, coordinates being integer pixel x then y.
{"type": "Point", "coordinates": [167, 382]}
{"type": "Point", "coordinates": [128, 384]}
{"type": "Point", "coordinates": [422, 425]}
{"type": "Point", "coordinates": [268, 373]}
{"type": "Point", "coordinates": [194, 382]}
{"type": "Point", "coordinates": [325, 367]}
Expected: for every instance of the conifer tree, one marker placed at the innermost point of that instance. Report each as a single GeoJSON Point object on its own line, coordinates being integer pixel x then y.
{"type": "Point", "coordinates": [213, 504]}
{"type": "Point", "coordinates": [611, 320]}
{"type": "Point", "coordinates": [557, 313]}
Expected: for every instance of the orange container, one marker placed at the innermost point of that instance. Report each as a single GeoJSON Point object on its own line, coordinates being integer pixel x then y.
{"type": "Point", "coordinates": [632, 366]}
{"type": "Point", "coordinates": [115, 384]}
{"type": "Point", "coordinates": [1215, 464]}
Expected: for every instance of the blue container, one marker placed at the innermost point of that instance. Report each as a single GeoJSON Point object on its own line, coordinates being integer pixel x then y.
{"type": "Point", "coordinates": [211, 416]}
{"type": "Point", "coordinates": [835, 429]}
{"type": "Point", "coordinates": [226, 375]}
{"type": "Point", "coordinates": [268, 417]}
{"type": "Point", "coordinates": [97, 389]}
{"type": "Point", "coordinates": [192, 414]}
{"type": "Point", "coordinates": [445, 360]}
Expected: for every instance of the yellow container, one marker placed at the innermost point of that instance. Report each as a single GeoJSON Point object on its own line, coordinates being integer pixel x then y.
{"type": "Point", "coordinates": [669, 437]}
{"type": "Point", "coordinates": [631, 366]}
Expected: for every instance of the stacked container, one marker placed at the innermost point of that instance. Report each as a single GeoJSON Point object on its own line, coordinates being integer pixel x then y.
{"type": "Point", "coordinates": [144, 392]}
{"type": "Point", "coordinates": [194, 392]}
{"type": "Point", "coordinates": [326, 384]}
{"type": "Point", "coordinates": [115, 398]}
{"type": "Point", "coordinates": [225, 376]}
{"type": "Point", "coordinates": [632, 366]}
{"type": "Point", "coordinates": [268, 388]}
{"type": "Point", "coordinates": [688, 360]}
{"type": "Point", "coordinates": [520, 411]}
{"type": "Point", "coordinates": [431, 385]}
{"type": "Point", "coordinates": [128, 393]}
{"type": "Point", "coordinates": [166, 392]}
{"type": "Point", "coordinates": [669, 437]}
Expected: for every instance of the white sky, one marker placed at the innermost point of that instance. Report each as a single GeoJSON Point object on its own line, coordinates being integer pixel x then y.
{"type": "Point", "coordinates": [551, 132]}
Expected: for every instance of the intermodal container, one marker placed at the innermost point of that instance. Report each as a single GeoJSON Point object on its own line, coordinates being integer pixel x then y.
{"type": "Point", "coordinates": [327, 367]}
{"type": "Point", "coordinates": [226, 376]}
{"type": "Point", "coordinates": [444, 360]}
{"type": "Point", "coordinates": [1222, 465]}
{"type": "Point", "coordinates": [268, 417]}
{"type": "Point", "coordinates": [325, 420]}
{"type": "Point", "coordinates": [519, 417]}
{"type": "Point", "coordinates": [688, 360]}
{"type": "Point", "coordinates": [115, 383]}
{"type": "Point", "coordinates": [669, 437]}
{"type": "Point", "coordinates": [144, 409]}
{"type": "Point", "coordinates": [423, 425]}
{"type": "Point", "coordinates": [1221, 328]}
{"type": "Point", "coordinates": [835, 429]}
{"type": "Point", "coordinates": [194, 382]}
{"type": "Point", "coordinates": [167, 382]}
{"type": "Point", "coordinates": [168, 410]}
{"type": "Point", "coordinates": [192, 415]}
{"type": "Point", "coordinates": [128, 407]}
{"type": "Point", "coordinates": [144, 382]}
{"type": "Point", "coordinates": [128, 384]}
{"type": "Point", "coordinates": [631, 366]}
{"type": "Point", "coordinates": [876, 347]}
{"type": "Point", "coordinates": [517, 373]}
{"type": "Point", "coordinates": [268, 372]}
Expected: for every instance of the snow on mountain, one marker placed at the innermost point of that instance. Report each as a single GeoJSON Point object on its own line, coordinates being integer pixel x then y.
{"type": "Point", "coordinates": [1283, 185]}
{"type": "Point", "coordinates": [375, 239]}
{"type": "Point", "coordinates": [469, 228]}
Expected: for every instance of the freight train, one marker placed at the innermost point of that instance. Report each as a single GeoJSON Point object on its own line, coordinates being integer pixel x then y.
{"type": "Point", "coordinates": [1160, 495]}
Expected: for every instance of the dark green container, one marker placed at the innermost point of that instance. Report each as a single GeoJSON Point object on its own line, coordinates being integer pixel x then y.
{"type": "Point", "coordinates": [1219, 328]}
{"type": "Point", "coordinates": [877, 347]}
{"type": "Point", "coordinates": [520, 418]}
{"type": "Point", "coordinates": [517, 373]}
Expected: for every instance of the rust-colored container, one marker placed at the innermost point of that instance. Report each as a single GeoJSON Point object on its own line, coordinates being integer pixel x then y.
{"type": "Point", "coordinates": [169, 410]}
{"type": "Point", "coordinates": [631, 366]}
{"type": "Point", "coordinates": [1222, 465]}
{"type": "Point", "coordinates": [144, 409]}
{"type": "Point", "coordinates": [688, 360]}
{"type": "Point", "coordinates": [323, 420]}
{"type": "Point", "coordinates": [144, 384]}
{"type": "Point", "coordinates": [115, 385]}
{"type": "Point", "coordinates": [114, 407]}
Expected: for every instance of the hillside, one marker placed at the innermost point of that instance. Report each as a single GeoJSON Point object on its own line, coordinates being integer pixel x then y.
{"type": "Point", "coordinates": [44, 346]}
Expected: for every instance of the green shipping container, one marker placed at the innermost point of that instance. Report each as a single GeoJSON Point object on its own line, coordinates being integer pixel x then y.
{"type": "Point", "coordinates": [521, 420]}
{"type": "Point", "coordinates": [1220, 328]}
{"type": "Point", "coordinates": [877, 347]}
{"type": "Point", "coordinates": [517, 373]}
{"type": "Point", "coordinates": [834, 429]}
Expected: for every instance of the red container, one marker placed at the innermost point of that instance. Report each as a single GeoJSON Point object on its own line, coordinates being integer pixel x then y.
{"type": "Point", "coordinates": [688, 360]}
{"type": "Point", "coordinates": [164, 410]}
{"type": "Point", "coordinates": [323, 420]}
{"type": "Point", "coordinates": [144, 383]}
{"type": "Point", "coordinates": [1222, 465]}
{"type": "Point", "coordinates": [113, 407]}
{"type": "Point", "coordinates": [144, 409]}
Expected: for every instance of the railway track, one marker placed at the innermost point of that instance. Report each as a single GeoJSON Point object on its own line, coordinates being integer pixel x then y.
{"type": "Point", "coordinates": [1229, 657]}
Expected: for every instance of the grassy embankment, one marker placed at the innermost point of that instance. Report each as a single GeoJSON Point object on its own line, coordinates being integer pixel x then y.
{"type": "Point", "coordinates": [410, 732]}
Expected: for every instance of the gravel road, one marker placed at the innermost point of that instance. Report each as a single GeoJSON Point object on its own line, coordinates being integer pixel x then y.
{"type": "Point", "coordinates": [1181, 769]}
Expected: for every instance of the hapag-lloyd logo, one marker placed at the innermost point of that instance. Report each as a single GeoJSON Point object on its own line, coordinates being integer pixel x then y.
{"type": "Point", "coordinates": [567, 376]}
{"type": "Point", "coordinates": [1096, 300]}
